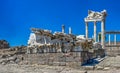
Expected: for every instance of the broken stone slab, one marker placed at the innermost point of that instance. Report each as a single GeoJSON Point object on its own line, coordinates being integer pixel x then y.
{"type": "Point", "coordinates": [106, 68]}
{"type": "Point", "coordinates": [99, 68]}
{"type": "Point", "coordinates": [3, 63]}
{"type": "Point", "coordinates": [8, 60]}
{"type": "Point", "coordinates": [3, 60]}
{"type": "Point", "coordinates": [13, 58]}
{"type": "Point", "coordinates": [12, 62]}
{"type": "Point", "coordinates": [4, 56]}
{"type": "Point", "coordinates": [17, 60]}
{"type": "Point", "coordinates": [88, 67]}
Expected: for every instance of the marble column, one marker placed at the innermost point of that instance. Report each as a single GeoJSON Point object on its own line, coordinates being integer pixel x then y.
{"type": "Point", "coordinates": [115, 39]}
{"type": "Point", "coordinates": [63, 29]}
{"type": "Point", "coordinates": [102, 33]}
{"type": "Point", "coordinates": [95, 31]}
{"type": "Point", "coordinates": [86, 30]}
{"type": "Point", "coordinates": [70, 30]}
{"type": "Point", "coordinates": [109, 39]}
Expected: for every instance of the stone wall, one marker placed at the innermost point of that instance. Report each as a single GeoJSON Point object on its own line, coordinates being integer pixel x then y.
{"type": "Point", "coordinates": [62, 59]}
{"type": "Point", "coordinates": [59, 59]}
{"type": "Point", "coordinates": [71, 59]}
{"type": "Point", "coordinates": [112, 51]}
{"type": "Point", "coordinates": [99, 53]}
{"type": "Point", "coordinates": [68, 58]}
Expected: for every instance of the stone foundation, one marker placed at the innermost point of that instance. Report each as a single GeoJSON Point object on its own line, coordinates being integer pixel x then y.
{"type": "Point", "coordinates": [59, 59]}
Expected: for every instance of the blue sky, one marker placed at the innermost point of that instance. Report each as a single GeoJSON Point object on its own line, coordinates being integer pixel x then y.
{"type": "Point", "coordinates": [18, 16]}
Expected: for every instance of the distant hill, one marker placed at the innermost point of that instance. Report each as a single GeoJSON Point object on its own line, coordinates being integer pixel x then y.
{"type": "Point", "coordinates": [4, 44]}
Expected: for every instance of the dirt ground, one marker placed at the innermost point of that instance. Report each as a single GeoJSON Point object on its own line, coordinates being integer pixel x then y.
{"type": "Point", "coordinates": [14, 68]}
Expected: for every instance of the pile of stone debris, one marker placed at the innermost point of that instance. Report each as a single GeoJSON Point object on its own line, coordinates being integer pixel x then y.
{"type": "Point", "coordinates": [10, 59]}
{"type": "Point", "coordinates": [12, 55]}
{"type": "Point", "coordinates": [4, 44]}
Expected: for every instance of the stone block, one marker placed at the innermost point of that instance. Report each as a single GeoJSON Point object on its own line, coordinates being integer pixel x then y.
{"type": "Point", "coordinates": [62, 63]}
{"type": "Point", "coordinates": [99, 68]}
{"type": "Point", "coordinates": [56, 63]}
{"type": "Point", "coordinates": [89, 67]}
{"type": "Point", "coordinates": [106, 68]}
{"type": "Point", "coordinates": [69, 59]}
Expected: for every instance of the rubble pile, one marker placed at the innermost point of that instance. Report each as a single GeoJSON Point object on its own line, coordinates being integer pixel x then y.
{"type": "Point", "coordinates": [4, 44]}
{"type": "Point", "coordinates": [12, 55]}
{"type": "Point", "coordinates": [8, 59]}
{"type": "Point", "coordinates": [19, 49]}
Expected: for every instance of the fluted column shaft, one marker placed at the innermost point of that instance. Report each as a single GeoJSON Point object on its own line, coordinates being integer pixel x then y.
{"type": "Point", "coordinates": [86, 30]}
{"type": "Point", "coordinates": [95, 31]}
{"type": "Point", "coordinates": [109, 39]}
{"type": "Point", "coordinates": [115, 39]}
{"type": "Point", "coordinates": [102, 33]}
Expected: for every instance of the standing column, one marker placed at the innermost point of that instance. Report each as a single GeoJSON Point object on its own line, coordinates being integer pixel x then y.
{"type": "Point", "coordinates": [102, 33]}
{"type": "Point", "coordinates": [86, 30]}
{"type": "Point", "coordinates": [109, 39]}
{"type": "Point", "coordinates": [63, 29]}
{"type": "Point", "coordinates": [70, 30]}
{"type": "Point", "coordinates": [95, 31]}
{"type": "Point", "coordinates": [115, 39]}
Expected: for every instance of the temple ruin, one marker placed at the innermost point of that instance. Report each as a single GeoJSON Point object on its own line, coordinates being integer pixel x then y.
{"type": "Point", "coordinates": [63, 47]}
{"type": "Point", "coordinates": [59, 48]}
{"type": "Point", "coordinates": [56, 42]}
{"type": "Point", "coordinates": [95, 17]}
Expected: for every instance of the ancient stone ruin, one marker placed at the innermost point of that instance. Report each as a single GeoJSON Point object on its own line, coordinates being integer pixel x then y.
{"type": "Point", "coordinates": [61, 48]}
{"type": "Point", "coordinates": [58, 48]}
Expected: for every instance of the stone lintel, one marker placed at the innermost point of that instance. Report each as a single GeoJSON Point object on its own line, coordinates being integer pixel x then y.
{"type": "Point", "coordinates": [92, 20]}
